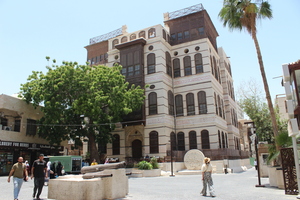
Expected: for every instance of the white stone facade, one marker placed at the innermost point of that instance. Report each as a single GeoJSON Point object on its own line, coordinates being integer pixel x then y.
{"type": "Point", "coordinates": [218, 115]}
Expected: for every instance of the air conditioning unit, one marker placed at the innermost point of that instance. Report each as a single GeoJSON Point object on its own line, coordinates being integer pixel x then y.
{"type": "Point", "coordinates": [7, 128]}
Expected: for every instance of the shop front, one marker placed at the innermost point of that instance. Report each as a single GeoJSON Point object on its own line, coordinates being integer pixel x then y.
{"type": "Point", "coordinates": [10, 151]}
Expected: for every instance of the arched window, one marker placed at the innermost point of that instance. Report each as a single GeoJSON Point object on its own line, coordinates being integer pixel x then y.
{"type": "Point", "coordinates": [226, 140]}
{"type": "Point", "coordinates": [202, 102]}
{"type": "Point", "coordinates": [180, 141]}
{"type": "Point", "coordinates": [176, 67]}
{"type": "Point", "coordinates": [198, 63]}
{"type": "Point", "coordinates": [179, 105]}
{"type": "Point", "coordinates": [151, 33]}
{"type": "Point", "coordinates": [229, 67]}
{"type": "Point", "coordinates": [216, 104]}
{"type": "Point", "coordinates": [124, 39]}
{"type": "Point", "coordinates": [219, 105]}
{"type": "Point", "coordinates": [223, 140]}
{"type": "Point", "coordinates": [190, 104]}
{"type": "Point", "coordinates": [173, 141]}
{"type": "Point", "coordinates": [142, 34]}
{"type": "Point", "coordinates": [215, 68]}
{"type": "Point", "coordinates": [151, 63]}
{"type": "Point", "coordinates": [133, 36]}
{"type": "Point", "coordinates": [193, 140]}
{"type": "Point", "coordinates": [212, 66]}
{"type": "Point", "coordinates": [171, 102]}
{"type": "Point", "coordinates": [168, 64]}
{"type": "Point", "coordinates": [187, 65]}
{"type": "Point", "coordinates": [164, 34]}
{"type": "Point", "coordinates": [153, 135]}
{"type": "Point", "coordinates": [205, 139]}
{"type": "Point", "coordinates": [223, 109]}
{"type": "Point", "coordinates": [114, 43]}
{"type": "Point", "coordinates": [152, 98]}
{"type": "Point", "coordinates": [116, 144]}
{"type": "Point", "coordinates": [219, 137]}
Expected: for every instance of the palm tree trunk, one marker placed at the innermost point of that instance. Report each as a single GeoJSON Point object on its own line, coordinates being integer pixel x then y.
{"type": "Point", "coordinates": [266, 86]}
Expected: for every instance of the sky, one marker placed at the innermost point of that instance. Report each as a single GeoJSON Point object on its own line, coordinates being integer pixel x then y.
{"type": "Point", "coordinates": [31, 30]}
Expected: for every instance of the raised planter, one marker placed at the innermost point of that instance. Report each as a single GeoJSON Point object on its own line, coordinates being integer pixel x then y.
{"type": "Point", "coordinates": [276, 177]}
{"type": "Point", "coordinates": [151, 172]}
{"type": "Point", "coordinates": [272, 176]}
{"type": "Point", "coordinates": [279, 176]}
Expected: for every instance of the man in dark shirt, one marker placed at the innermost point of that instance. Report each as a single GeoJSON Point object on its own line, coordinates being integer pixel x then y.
{"type": "Point", "coordinates": [39, 172]}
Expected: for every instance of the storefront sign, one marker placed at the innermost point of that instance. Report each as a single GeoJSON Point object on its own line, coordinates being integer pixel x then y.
{"type": "Point", "coordinates": [28, 145]}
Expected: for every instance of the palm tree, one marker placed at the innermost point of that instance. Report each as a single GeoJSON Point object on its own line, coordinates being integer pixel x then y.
{"type": "Point", "coordinates": [243, 14]}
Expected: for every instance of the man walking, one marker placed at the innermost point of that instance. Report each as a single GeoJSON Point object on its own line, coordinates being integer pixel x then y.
{"type": "Point", "coordinates": [18, 171]}
{"type": "Point", "coordinates": [39, 172]}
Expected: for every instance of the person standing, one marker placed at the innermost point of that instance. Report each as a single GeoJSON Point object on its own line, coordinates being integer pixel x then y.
{"type": "Point", "coordinates": [255, 164]}
{"type": "Point", "coordinates": [94, 162]}
{"type": "Point", "coordinates": [48, 173]}
{"type": "Point", "coordinates": [59, 169]}
{"type": "Point", "coordinates": [18, 171]}
{"type": "Point", "coordinates": [39, 172]}
{"type": "Point", "coordinates": [206, 178]}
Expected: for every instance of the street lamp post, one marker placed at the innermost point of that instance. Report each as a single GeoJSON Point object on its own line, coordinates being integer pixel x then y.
{"type": "Point", "coordinates": [254, 140]}
{"type": "Point", "coordinates": [257, 160]}
{"type": "Point", "coordinates": [172, 175]}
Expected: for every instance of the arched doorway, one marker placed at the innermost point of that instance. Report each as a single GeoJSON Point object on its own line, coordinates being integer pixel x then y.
{"type": "Point", "coordinates": [136, 146]}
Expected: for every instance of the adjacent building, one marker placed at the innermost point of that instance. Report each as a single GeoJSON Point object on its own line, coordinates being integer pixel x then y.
{"type": "Point", "coordinates": [190, 102]}
{"type": "Point", "coordinates": [18, 128]}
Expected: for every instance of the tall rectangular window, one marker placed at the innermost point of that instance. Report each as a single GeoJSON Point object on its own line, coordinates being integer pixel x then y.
{"type": "Point", "coordinates": [173, 37]}
{"type": "Point", "coordinates": [179, 105]}
{"type": "Point", "coordinates": [193, 140]}
{"type": "Point", "coordinates": [151, 63]}
{"type": "Point", "coordinates": [154, 148]}
{"type": "Point", "coordinates": [17, 125]}
{"type": "Point", "coordinates": [176, 67]}
{"type": "Point", "coordinates": [179, 36]}
{"type": "Point", "coordinates": [152, 99]}
{"type": "Point", "coordinates": [190, 104]}
{"type": "Point", "coordinates": [201, 31]}
{"type": "Point", "coordinates": [198, 63]}
{"type": "Point", "coordinates": [186, 34]}
{"type": "Point", "coordinates": [202, 102]}
{"type": "Point", "coordinates": [187, 65]}
{"type": "Point", "coordinates": [31, 127]}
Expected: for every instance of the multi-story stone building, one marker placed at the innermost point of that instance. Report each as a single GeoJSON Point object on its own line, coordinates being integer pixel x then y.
{"type": "Point", "coordinates": [190, 100]}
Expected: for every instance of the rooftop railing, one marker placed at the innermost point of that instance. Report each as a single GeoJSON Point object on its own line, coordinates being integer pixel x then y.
{"type": "Point", "coordinates": [106, 36]}
{"type": "Point", "coordinates": [186, 11]}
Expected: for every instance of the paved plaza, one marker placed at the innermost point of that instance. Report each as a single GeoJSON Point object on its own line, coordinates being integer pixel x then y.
{"type": "Point", "coordinates": [237, 186]}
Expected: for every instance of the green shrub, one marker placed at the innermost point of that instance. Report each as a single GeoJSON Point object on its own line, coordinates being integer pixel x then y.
{"type": "Point", "coordinates": [154, 163]}
{"type": "Point", "coordinates": [144, 165]}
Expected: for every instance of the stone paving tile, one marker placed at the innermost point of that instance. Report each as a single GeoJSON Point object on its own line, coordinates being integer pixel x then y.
{"type": "Point", "coordinates": [237, 186]}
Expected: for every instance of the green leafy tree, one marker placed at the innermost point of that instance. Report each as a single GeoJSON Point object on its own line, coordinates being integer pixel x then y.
{"type": "Point", "coordinates": [252, 103]}
{"type": "Point", "coordinates": [243, 14]}
{"type": "Point", "coordinates": [81, 101]}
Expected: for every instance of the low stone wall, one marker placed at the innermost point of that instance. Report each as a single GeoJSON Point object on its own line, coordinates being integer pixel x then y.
{"type": "Point", "coordinates": [177, 166]}
{"type": "Point", "coordinates": [143, 173]}
{"type": "Point", "coordinates": [239, 165]}
{"type": "Point", "coordinates": [97, 188]}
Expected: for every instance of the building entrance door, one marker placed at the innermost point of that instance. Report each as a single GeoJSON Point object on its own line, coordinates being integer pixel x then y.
{"type": "Point", "coordinates": [136, 146]}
